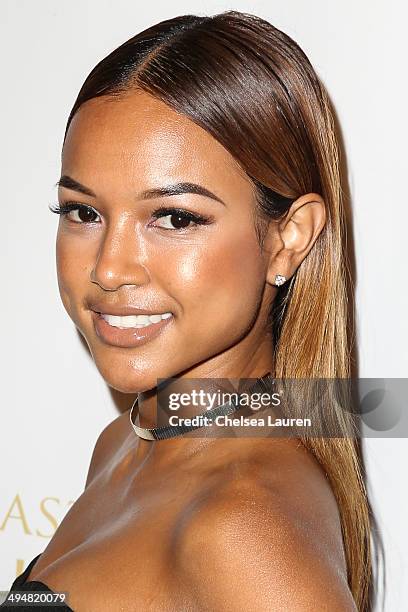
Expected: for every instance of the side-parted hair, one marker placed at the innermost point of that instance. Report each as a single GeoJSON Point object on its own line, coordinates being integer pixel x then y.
{"type": "Point", "coordinates": [254, 90]}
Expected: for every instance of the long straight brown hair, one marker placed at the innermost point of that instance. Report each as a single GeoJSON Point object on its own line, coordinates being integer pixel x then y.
{"type": "Point", "coordinates": [253, 88]}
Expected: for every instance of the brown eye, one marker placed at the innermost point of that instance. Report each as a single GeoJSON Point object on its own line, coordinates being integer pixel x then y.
{"type": "Point", "coordinates": [173, 221]}
{"type": "Point", "coordinates": [179, 221]}
{"type": "Point", "coordinates": [86, 215]}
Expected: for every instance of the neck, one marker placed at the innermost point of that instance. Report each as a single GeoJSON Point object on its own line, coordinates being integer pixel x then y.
{"type": "Point", "coordinates": [244, 361]}
{"type": "Point", "coordinates": [202, 387]}
{"type": "Point", "coordinates": [153, 405]}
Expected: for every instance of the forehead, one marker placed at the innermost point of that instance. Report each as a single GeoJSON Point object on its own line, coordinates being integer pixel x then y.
{"type": "Point", "coordinates": [138, 137]}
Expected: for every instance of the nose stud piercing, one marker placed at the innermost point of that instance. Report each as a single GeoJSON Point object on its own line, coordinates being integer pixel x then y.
{"type": "Point", "coordinates": [279, 280]}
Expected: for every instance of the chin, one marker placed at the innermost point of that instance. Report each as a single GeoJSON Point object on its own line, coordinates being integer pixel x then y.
{"type": "Point", "coordinates": [125, 377]}
{"type": "Point", "coordinates": [126, 389]}
{"type": "Point", "coordinates": [130, 385]}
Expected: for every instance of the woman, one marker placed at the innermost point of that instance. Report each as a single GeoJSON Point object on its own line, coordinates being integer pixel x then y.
{"type": "Point", "coordinates": [201, 237]}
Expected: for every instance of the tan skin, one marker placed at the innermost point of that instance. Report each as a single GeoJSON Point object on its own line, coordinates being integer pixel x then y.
{"type": "Point", "coordinates": [197, 524]}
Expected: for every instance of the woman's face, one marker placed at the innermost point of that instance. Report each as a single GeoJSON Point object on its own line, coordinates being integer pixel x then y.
{"type": "Point", "coordinates": [205, 273]}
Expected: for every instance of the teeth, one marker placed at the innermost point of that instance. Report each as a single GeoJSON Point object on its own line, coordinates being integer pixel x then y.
{"type": "Point", "coordinates": [136, 321]}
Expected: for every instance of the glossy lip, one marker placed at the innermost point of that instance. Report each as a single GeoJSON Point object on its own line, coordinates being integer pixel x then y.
{"type": "Point", "coordinates": [128, 338]}
{"type": "Point", "coordinates": [125, 310]}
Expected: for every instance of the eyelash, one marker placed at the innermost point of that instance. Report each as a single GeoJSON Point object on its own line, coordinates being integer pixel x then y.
{"type": "Point", "coordinates": [161, 211]}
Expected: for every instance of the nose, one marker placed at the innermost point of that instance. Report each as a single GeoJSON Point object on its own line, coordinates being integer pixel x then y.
{"type": "Point", "coordinates": [121, 258]}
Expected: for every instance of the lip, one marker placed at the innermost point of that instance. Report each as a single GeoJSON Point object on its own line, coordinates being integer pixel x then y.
{"type": "Point", "coordinates": [131, 337]}
{"type": "Point", "coordinates": [122, 311]}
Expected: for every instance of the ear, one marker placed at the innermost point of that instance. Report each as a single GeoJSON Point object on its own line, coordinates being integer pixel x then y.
{"type": "Point", "coordinates": [291, 239]}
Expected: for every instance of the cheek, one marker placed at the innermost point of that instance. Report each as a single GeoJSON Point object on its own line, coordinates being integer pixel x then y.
{"type": "Point", "coordinates": [72, 271]}
{"type": "Point", "coordinates": [221, 281]}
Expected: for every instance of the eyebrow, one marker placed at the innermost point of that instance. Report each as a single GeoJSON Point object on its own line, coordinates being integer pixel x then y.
{"type": "Point", "coordinates": [70, 183]}
{"type": "Point", "coordinates": [148, 194]}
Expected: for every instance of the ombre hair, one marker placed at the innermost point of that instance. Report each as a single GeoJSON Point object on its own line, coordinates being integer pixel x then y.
{"type": "Point", "coordinates": [254, 90]}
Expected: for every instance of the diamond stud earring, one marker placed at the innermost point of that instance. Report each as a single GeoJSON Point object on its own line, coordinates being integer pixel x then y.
{"type": "Point", "coordinates": [279, 280]}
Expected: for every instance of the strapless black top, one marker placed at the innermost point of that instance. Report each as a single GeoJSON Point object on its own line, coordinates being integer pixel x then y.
{"type": "Point", "coordinates": [31, 586]}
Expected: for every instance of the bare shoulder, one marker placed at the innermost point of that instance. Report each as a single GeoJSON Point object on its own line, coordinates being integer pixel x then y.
{"type": "Point", "coordinates": [256, 543]}
{"type": "Point", "coordinates": [107, 443]}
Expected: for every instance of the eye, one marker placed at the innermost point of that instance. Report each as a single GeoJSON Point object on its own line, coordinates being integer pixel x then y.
{"type": "Point", "coordinates": [171, 218]}
{"type": "Point", "coordinates": [84, 214]}
{"type": "Point", "coordinates": [178, 219]}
